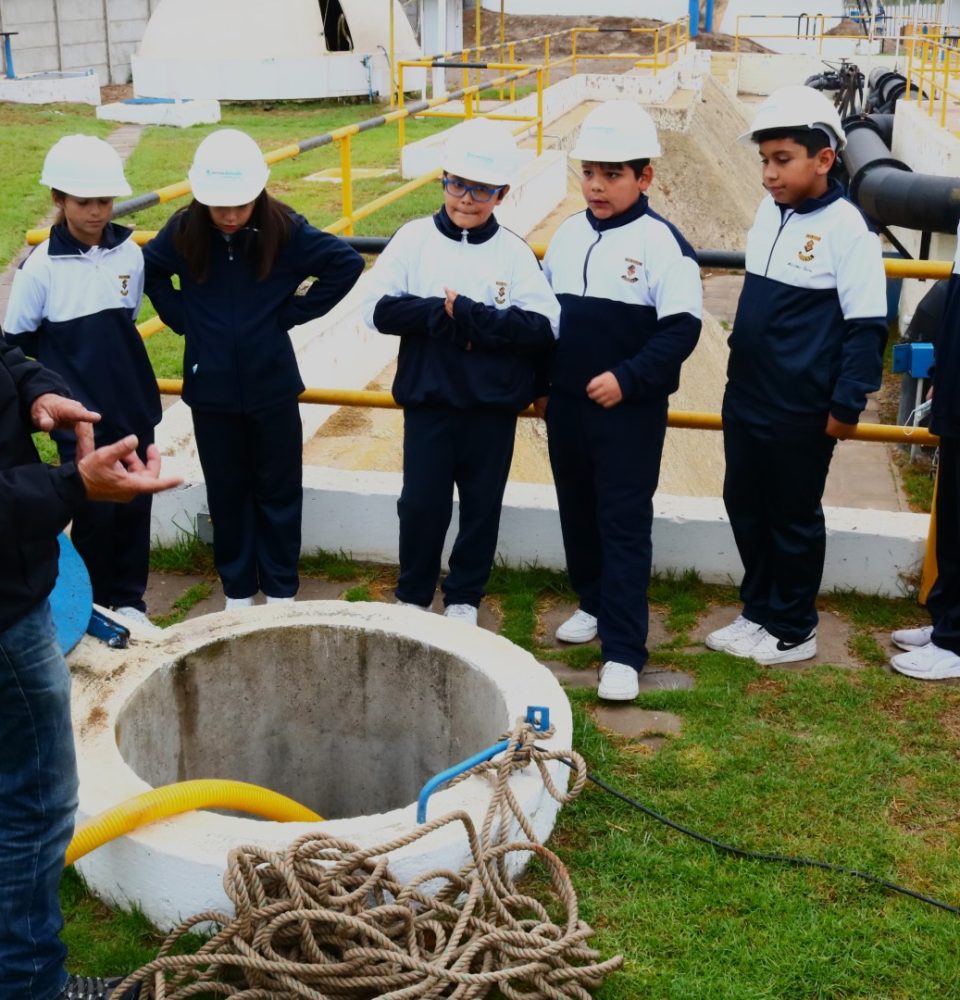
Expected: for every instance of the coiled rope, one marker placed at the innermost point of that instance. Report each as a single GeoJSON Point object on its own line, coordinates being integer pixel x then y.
{"type": "Point", "coordinates": [326, 918]}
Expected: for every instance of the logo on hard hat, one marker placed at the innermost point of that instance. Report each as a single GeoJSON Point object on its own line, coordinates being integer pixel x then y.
{"type": "Point", "coordinates": [807, 254]}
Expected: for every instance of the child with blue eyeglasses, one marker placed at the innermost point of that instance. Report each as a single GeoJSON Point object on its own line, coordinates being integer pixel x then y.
{"type": "Point", "coordinates": [476, 320]}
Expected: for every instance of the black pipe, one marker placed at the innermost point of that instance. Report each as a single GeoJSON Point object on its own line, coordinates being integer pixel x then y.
{"type": "Point", "coordinates": [888, 191]}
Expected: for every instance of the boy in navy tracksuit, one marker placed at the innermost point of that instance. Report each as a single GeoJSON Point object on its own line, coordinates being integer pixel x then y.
{"type": "Point", "coordinates": [631, 302]}
{"type": "Point", "coordinates": [475, 317]}
{"type": "Point", "coordinates": [806, 348]}
{"type": "Point", "coordinates": [73, 306]}
{"type": "Point", "coordinates": [933, 652]}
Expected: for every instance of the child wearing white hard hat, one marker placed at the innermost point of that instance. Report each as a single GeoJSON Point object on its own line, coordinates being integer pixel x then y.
{"type": "Point", "coordinates": [806, 348]}
{"type": "Point", "coordinates": [240, 256]}
{"type": "Point", "coordinates": [475, 317]}
{"type": "Point", "coordinates": [73, 306]}
{"type": "Point", "coordinates": [630, 300]}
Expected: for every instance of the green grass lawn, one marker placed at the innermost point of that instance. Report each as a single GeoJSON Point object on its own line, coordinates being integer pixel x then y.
{"type": "Point", "coordinates": [855, 767]}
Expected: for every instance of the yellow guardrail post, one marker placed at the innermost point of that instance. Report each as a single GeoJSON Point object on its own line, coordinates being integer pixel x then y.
{"type": "Point", "coordinates": [573, 67]}
{"type": "Point", "coordinates": [933, 76]}
{"type": "Point", "coordinates": [401, 121]}
{"type": "Point", "coordinates": [820, 34]}
{"type": "Point", "coordinates": [539, 110]}
{"type": "Point", "coordinates": [513, 83]}
{"type": "Point", "coordinates": [736, 37]}
{"type": "Point", "coordinates": [946, 87]}
{"type": "Point", "coordinates": [546, 57]}
{"type": "Point", "coordinates": [908, 94]}
{"type": "Point", "coordinates": [346, 182]}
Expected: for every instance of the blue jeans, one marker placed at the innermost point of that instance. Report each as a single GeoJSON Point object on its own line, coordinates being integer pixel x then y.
{"type": "Point", "coordinates": [38, 800]}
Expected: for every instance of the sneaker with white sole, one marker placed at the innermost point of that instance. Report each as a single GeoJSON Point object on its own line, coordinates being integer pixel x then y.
{"type": "Point", "coordinates": [743, 646]}
{"type": "Point", "coordinates": [279, 600]}
{"type": "Point", "coordinates": [771, 650]}
{"type": "Point", "coordinates": [722, 638]}
{"type": "Point", "coordinates": [96, 988]}
{"type": "Point", "coordinates": [912, 638]}
{"type": "Point", "coordinates": [581, 626]}
{"type": "Point", "coordinates": [927, 663]}
{"type": "Point", "coordinates": [238, 603]}
{"type": "Point", "coordinates": [461, 613]}
{"type": "Point", "coordinates": [138, 616]}
{"type": "Point", "coordinates": [618, 682]}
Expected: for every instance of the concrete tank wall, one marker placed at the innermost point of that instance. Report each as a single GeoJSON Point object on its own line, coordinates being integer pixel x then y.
{"type": "Point", "coordinates": [64, 35]}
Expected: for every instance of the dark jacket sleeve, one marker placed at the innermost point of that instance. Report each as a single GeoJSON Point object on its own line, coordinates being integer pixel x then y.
{"type": "Point", "coordinates": [160, 263]}
{"type": "Point", "coordinates": [36, 500]}
{"type": "Point", "coordinates": [515, 330]}
{"type": "Point", "coordinates": [861, 367]}
{"type": "Point", "coordinates": [332, 261]}
{"type": "Point", "coordinates": [413, 315]}
{"type": "Point", "coordinates": [653, 372]}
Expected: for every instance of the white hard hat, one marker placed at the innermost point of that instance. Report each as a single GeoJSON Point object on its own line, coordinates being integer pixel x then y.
{"type": "Point", "coordinates": [481, 150]}
{"type": "Point", "coordinates": [228, 169]}
{"type": "Point", "coordinates": [796, 106]}
{"type": "Point", "coordinates": [616, 132]}
{"type": "Point", "coordinates": [85, 167]}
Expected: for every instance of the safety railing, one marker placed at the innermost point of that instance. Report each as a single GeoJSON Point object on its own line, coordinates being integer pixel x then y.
{"type": "Point", "coordinates": [471, 95]}
{"type": "Point", "coordinates": [666, 42]}
{"type": "Point", "coordinates": [933, 70]}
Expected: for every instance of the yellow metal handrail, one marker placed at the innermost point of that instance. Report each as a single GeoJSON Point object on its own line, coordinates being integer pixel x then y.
{"type": "Point", "coordinates": [933, 67]}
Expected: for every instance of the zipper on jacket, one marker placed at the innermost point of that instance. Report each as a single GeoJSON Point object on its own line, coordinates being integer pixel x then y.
{"type": "Point", "coordinates": [586, 260]}
{"type": "Point", "coordinates": [786, 218]}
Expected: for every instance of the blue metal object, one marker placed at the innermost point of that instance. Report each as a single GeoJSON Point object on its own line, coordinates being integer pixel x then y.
{"type": "Point", "coordinates": [72, 598]}
{"type": "Point", "coordinates": [8, 54]}
{"type": "Point", "coordinates": [694, 10]}
{"type": "Point", "coordinates": [537, 715]}
{"type": "Point", "coordinates": [708, 17]}
{"type": "Point", "coordinates": [115, 635]}
{"type": "Point", "coordinates": [913, 359]}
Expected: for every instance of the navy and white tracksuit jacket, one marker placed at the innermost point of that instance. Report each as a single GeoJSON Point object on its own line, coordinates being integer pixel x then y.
{"type": "Point", "coordinates": [241, 381]}
{"type": "Point", "coordinates": [462, 381]}
{"type": "Point", "coordinates": [807, 343]}
{"type": "Point", "coordinates": [74, 307]}
{"type": "Point", "coordinates": [631, 304]}
{"type": "Point", "coordinates": [943, 601]}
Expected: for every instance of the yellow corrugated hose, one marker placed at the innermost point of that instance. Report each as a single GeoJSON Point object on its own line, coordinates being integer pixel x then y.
{"type": "Point", "coordinates": [184, 796]}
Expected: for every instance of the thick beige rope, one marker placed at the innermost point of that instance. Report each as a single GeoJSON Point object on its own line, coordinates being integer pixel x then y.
{"type": "Point", "coordinates": [326, 919]}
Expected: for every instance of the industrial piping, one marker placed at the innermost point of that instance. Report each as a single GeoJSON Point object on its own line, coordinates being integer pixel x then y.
{"type": "Point", "coordinates": [888, 190]}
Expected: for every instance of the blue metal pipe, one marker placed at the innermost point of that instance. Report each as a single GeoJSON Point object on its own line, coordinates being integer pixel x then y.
{"type": "Point", "coordinates": [537, 715]}
{"type": "Point", "coordinates": [708, 17]}
{"type": "Point", "coordinates": [8, 54]}
{"type": "Point", "coordinates": [694, 9]}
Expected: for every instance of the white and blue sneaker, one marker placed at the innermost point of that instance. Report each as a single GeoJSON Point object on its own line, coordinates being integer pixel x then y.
{"type": "Point", "coordinates": [770, 650]}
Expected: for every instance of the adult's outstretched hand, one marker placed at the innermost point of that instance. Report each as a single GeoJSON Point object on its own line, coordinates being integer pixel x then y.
{"type": "Point", "coordinates": [115, 472]}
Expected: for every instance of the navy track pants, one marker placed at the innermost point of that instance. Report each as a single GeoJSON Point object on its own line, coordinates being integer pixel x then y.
{"type": "Point", "coordinates": [943, 602]}
{"type": "Point", "coordinates": [772, 489]}
{"type": "Point", "coordinates": [253, 469]}
{"type": "Point", "coordinates": [443, 447]}
{"type": "Point", "coordinates": [606, 464]}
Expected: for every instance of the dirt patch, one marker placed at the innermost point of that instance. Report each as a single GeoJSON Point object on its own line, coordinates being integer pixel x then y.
{"type": "Point", "coordinates": [115, 92]}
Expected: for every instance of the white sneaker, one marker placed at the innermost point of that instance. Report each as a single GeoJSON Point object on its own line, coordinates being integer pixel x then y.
{"type": "Point", "coordinates": [410, 604]}
{"type": "Point", "coordinates": [461, 613]}
{"type": "Point", "coordinates": [927, 663]}
{"type": "Point", "coordinates": [722, 638]}
{"type": "Point", "coordinates": [618, 682]}
{"type": "Point", "coordinates": [579, 627]}
{"type": "Point", "coordinates": [912, 638]}
{"type": "Point", "coordinates": [138, 616]}
{"type": "Point", "coordinates": [279, 600]}
{"type": "Point", "coordinates": [743, 647]}
{"type": "Point", "coordinates": [770, 650]}
{"type": "Point", "coordinates": [238, 603]}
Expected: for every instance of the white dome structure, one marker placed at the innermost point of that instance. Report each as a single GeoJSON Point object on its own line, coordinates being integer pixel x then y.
{"type": "Point", "coordinates": [288, 49]}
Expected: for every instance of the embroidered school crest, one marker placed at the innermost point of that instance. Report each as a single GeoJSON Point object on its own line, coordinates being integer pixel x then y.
{"type": "Point", "coordinates": [124, 284]}
{"type": "Point", "coordinates": [807, 254]}
{"type": "Point", "coordinates": [630, 274]}
{"type": "Point", "coordinates": [501, 297]}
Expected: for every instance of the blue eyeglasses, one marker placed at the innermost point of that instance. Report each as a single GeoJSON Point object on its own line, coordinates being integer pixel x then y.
{"type": "Point", "coordinates": [479, 192]}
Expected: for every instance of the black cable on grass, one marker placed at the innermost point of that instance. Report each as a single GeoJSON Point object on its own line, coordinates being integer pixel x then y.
{"type": "Point", "coordinates": [784, 859]}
